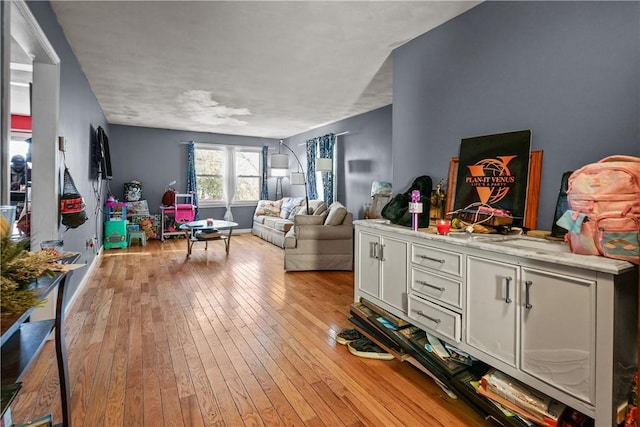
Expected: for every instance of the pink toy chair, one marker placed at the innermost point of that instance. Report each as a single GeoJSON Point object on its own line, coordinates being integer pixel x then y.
{"type": "Point", "coordinates": [185, 209]}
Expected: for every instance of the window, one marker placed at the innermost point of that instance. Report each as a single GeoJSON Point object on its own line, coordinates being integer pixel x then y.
{"type": "Point", "coordinates": [210, 174]}
{"type": "Point", "coordinates": [247, 183]}
{"type": "Point", "coordinates": [227, 172]}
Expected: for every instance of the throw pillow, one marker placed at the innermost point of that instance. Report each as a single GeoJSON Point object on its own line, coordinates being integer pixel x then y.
{"type": "Point", "coordinates": [320, 208]}
{"type": "Point", "coordinates": [297, 210]}
{"type": "Point", "coordinates": [268, 208]}
{"type": "Point", "coordinates": [288, 205]}
{"type": "Point", "coordinates": [336, 215]}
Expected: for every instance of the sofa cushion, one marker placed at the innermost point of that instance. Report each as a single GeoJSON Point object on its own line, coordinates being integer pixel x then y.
{"type": "Point", "coordinates": [283, 225]}
{"type": "Point", "coordinates": [321, 209]}
{"type": "Point", "coordinates": [288, 204]}
{"type": "Point", "coordinates": [270, 221]}
{"type": "Point", "coordinates": [336, 214]}
{"type": "Point", "coordinates": [259, 219]}
{"type": "Point", "coordinates": [316, 207]}
{"type": "Point", "coordinates": [278, 224]}
{"type": "Point", "coordinates": [268, 207]}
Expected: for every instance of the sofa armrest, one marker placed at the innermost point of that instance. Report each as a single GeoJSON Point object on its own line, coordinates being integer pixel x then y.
{"type": "Point", "coordinates": [311, 227]}
{"type": "Point", "coordinates": [303, 220]}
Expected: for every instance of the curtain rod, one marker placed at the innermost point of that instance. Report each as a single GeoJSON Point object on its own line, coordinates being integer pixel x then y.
{"type": "Point", "coordinates": [337, 134]}
{"type": "Point", "coordinates": [257, 147]}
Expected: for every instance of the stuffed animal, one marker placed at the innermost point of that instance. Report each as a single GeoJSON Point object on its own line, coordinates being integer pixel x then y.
{"type": "Point", "coordinates": [147, 226]}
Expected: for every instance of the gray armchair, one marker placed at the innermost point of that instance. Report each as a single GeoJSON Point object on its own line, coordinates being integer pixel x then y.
{"type": "Point", "coordinates": [320, 242]}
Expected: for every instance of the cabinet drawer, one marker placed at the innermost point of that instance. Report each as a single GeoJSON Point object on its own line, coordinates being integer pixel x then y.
{"type": "Point", "coordinates": [436, 318]}
{"type": "Point", "coordinates": [436, 259]}
{"type": "Point", "coordinates": [434, 286]}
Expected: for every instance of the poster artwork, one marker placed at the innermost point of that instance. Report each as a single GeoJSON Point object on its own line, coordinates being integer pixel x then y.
{"type": "Point", "coordinates": [494, 170]}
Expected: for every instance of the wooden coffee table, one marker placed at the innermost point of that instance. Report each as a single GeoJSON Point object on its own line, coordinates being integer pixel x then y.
{"type": "Point", "coordinates": [206, 231]}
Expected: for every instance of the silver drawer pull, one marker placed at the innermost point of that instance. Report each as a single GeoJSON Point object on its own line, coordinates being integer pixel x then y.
{"type": "Point", "coordinates": [527, 286]}
{"type": "Point", "coordinates": [433, 319]}
{"type": "Point", "coordinates": [422, 282]}
{"type": "Point", "coordinates": [441, 261]}
{"type": "Point", "coordinates": [507, 298]}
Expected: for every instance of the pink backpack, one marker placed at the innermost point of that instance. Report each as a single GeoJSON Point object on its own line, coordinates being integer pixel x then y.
{"type": "Point", "coordinates": [606, 197]}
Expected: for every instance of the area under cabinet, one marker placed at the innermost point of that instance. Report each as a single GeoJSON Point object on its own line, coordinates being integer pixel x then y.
{"type": "Point", "coordinates": [564, 324]}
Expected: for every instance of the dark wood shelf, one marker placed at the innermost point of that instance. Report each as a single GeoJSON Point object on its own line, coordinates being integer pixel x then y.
{"type": "Point", "coordinates": [7, 394]}
{"type": "Point", "coordinates": [10, 322]}
{"type": "Point", "coordinates": [22, 347]}
{"type": "Point", "coordinates": [22, 339]}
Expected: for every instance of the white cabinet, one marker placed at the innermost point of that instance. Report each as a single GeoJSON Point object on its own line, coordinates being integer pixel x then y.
{"type": "Point", "coordinates": [492, 308]}
{"type": "Point", "coordinates": [564, 324]}
{"type": "Point", "coordinates": [558, 335]}
{"type": "Point", "coordinates": [381, 270]}
{"type": "Point", "coordinates": [540, 321]}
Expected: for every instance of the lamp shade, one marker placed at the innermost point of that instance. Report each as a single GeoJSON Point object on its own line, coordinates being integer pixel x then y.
{"type": "Point", "coordinates": [279, 161]}
{"type": "Point", "coordinates": [297, 178]}
{"type": "Point", "coordinates": [324, 165]}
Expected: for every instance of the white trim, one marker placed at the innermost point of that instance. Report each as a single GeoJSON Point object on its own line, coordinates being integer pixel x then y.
{"type": "Point", "coordinates": [28, 34]}
{"type": "Point", "coordinates": [85, 279]}
{"type": "Point", "coordinates": [335, 134]}
{"type": "Point", "coordinates": [220, 204]}
{"type": "Point", "coordinates": [21, 67]}
{"type": "Point", "coordinates": [5, 106]}
{"type": "Point", "coordinates": [216, 146]}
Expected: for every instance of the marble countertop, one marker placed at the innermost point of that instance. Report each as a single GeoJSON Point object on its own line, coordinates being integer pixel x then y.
{"type": "Point", "coordinates": [516, 245]}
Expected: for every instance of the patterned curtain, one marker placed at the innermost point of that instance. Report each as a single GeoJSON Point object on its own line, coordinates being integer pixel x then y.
{"type": "Point", "coordinates": [264, 192]}
{"type": "Point", "coordinates": [192, 186]}
{"type": "Point", "coordinates": [327, 144]}
{"type": "Point", "coordinates": [311, 170]}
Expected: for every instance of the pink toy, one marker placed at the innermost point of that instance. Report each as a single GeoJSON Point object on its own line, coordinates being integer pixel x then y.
{"type": "Point", "coordinates": [185, 212]}
{"type": "Point", "coordinates": [415, 207]}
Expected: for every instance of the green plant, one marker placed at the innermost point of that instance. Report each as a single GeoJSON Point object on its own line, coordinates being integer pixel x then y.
{"type": "Point", "coordinates": [18, 269]}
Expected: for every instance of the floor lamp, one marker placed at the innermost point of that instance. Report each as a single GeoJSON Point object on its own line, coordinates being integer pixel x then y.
{"type": "Point", "coordinates": [297, 178]}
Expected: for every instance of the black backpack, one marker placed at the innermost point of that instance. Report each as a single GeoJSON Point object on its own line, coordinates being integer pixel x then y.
{"type": "Point", "coordinates": [397, 210]}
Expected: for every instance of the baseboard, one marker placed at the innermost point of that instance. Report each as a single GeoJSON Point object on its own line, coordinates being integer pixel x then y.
{"type": "Point", "coordinates": [85, 279]}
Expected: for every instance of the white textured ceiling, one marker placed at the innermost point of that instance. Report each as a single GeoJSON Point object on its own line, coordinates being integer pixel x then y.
{"type": "Point", "coordinates": [259, 68]}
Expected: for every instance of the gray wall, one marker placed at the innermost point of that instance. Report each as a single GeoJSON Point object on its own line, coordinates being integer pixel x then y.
{"type": "Point", "coordinates": [155, 157]}
{"type": "Point", "coordinates": [569, 71]}
{"type": "Point", "coordinates": [364, 155]}
{"type": "Point", "coordinates": [80, 115]}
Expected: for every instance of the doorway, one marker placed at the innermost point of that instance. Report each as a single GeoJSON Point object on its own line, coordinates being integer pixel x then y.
{"type": "Point", "coordinates": [26, 50]}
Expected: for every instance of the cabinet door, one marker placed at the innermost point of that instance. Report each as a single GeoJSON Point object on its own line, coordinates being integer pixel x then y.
{"type": "Point", "coordinates": [492, 306]}
{"type": "Point", "coordinates": [558, 331]}
{"type": "Point", "coordinates": [393, 283]}
{"type": "Point", "coordinates": [367, 265]}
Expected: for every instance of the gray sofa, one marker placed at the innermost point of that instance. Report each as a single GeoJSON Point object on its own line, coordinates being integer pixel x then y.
{"type": "Point", "coordinates": [272, 219]}
{"type": "Point", "coordinates": [322, 240]}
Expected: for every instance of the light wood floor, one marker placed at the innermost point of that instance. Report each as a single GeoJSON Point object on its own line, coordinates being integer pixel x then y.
{"type": "Point", "coordinates": [156, 339]}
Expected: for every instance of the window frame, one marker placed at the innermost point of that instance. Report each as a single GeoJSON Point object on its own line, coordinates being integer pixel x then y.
{"type": "Point", "coordinates": [247, 149]}
{"type": "Point", "coordinates": [224, 148]}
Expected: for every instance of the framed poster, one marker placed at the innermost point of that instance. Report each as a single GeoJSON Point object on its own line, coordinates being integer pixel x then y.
{"type": "Point", "coordinates": [494, 170]}
{"type": "Point", "coordinates": [533, 188]}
